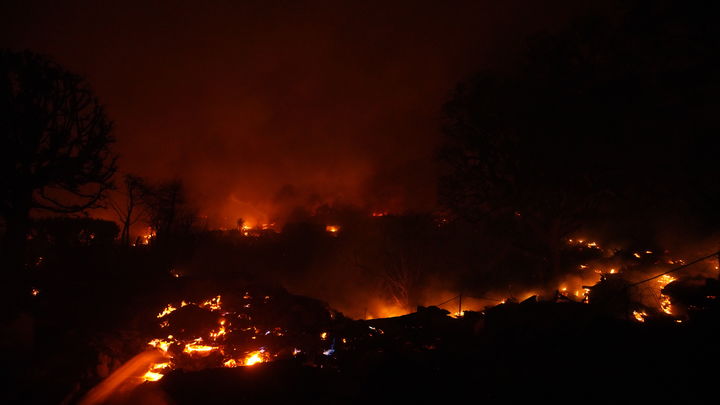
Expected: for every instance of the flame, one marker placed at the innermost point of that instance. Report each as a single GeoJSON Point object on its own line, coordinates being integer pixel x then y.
{"type": "Point", "coordinates": [168, 309]}
{"type": "Point", "coordinates": [220, 332]}
{"type": "Point", "coordinates": [258, 356]}
{"type": "Point", "coordinates": [665, 303]}
{"type": "Point", "coordinates": [163, 345]}
{"type": "Point", "coordinates": [198, 347]}
{"type": "Point", "coordinates": [147, 237]}
{"type": "Point", "coordinates": [35, 292]}
{"type": "Point", "coordinates": [640, 315]}
{"type": "Point", "coordinates": [332, 229]}
{"type": "Point", "coordinates": [230, 363]}
{"type": "Point", "coordinates": [212, 304]}
{"type": "Point", "coordinates": [152, 376]}
{"type": "Point", "coordinates": [154, 373]}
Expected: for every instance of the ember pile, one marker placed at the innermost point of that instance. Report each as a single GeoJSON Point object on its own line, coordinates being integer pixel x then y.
{"type": "Point", "coordinates": [230, 331]}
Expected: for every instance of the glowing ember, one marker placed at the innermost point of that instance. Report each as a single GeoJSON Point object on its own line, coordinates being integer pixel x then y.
{"type": "Point", "coordinates": [640, 315]}
{"type": "Point", "coordinates": [147, 237]}
{"type": "Point", "coordinates": [665, 280]}
{"type": "Point", "coordinates": [152, 376]}
{"type": "Point", "coordinates": [230, 363]}
{"type": "Point", "coordinates": [216, 346]}
{"type": "Point", "coordinates": [220, 332]}
{"type": "Point", "coordinates": [665, 303]}
{"type": "Point", "coordinates": [154, 373]}
{"type": "Point", "coordinates": [197, 347]}
{"type": "Point", "coordinates": [332, 229]}
{"type": "Point", "coordinates": [255, 357]}
{"type": "Point", "coordinates": [212, 304]}
{"type": "Point", "coordinates": [168, 309]}
{"type": "Point", "coordinates": [163, 345]}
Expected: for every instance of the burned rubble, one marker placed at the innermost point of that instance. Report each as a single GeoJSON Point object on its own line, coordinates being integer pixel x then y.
{"type": "Point", "coordinates": [535, 349]}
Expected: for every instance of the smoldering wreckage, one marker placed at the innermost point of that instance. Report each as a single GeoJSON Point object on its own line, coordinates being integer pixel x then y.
{"type": "Point", "coordinates": [261, 344]}
{"type": "Point", "coordinates": [625, 325]}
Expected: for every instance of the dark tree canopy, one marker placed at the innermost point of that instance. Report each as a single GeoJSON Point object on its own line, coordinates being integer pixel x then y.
{"type": "Point", "coordinates": [612, 118]}
{"type": "Point", "coordinates": [54, 148]}
{"type": "Point", "coordinates": [54, 138]}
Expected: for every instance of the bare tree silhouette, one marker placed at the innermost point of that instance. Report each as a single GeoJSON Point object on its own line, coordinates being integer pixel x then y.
{"type": "Point", "coordinates": [54, 144]}
{"type": "Point", "coordinates": [128, 206]}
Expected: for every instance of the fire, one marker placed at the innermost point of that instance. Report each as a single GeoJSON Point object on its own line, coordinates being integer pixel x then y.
{"type": "Point", "coordinates": [252, 358]}
{"type": "Point", "coordinates": [168, 309]}
{"type": "Point", "coordinates": [220, 332]}
{"type": "Point", "coordinates": [146, 237]}
{"type": "Point", "coordinates": [332, 229]}
{"type": "Point", "coordinates": [379, 213]}
{"type": "Point", "coordinates": [584, 243]}
{"type": "Point", "coordinates": [665, 280]}
{"type": "Point", "coordinates": [665, 303]}
{"type": "Point", "coordinates": [152, 376]}
{"type": "Point", "coordinates": [35, 292]}
{"type": "Point", "coordinates": [640, 315]}
{"type": "Point", "coordinates": [163, 345]}
{"type": "Point", "coordinates": [258, 356]}
{"type": "Point", "coordinates": [154, 373]}
{"type": "Point", "coordinates": [197, 347]}
{"type": "Point", "coordinates": [212, 304]}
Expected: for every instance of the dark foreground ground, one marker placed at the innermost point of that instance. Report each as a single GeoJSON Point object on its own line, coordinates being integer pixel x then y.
{"type": "Point", "coordinates": [560, 352]}
{"type": "Point", "coordinates": [79, 330]}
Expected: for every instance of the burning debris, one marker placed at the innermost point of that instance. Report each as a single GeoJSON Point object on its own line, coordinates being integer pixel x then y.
{"type": "Point", "coordinates": [227, 331]}
{"type": "Point", "coordinates": [332, 229]}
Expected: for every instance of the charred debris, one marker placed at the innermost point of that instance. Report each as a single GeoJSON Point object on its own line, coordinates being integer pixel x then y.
{"type": "Point", "coordinates": [556, 349]}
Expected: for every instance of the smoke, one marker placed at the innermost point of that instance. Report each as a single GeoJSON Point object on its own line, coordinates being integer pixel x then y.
{"type": "Point", "coordinates": [339, 101]}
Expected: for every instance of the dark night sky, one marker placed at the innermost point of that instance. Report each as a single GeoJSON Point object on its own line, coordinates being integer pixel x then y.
{"type": "Point", "coordinates": [338, 99]}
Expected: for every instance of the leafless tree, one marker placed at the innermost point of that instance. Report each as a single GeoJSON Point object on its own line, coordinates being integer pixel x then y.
{"type": "Point", "coordinates": [128, 206]}
{"type": "Point", "coordinates": [54, 143]}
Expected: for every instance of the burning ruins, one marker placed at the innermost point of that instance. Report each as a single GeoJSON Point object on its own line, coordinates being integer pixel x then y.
{"type": "Point", "coordinates": [350, 202]}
